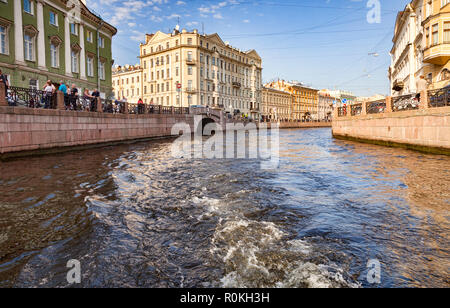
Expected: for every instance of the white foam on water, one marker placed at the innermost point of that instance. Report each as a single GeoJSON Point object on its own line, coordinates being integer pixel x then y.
{"type": "Point", "coordinates": [256, 256]}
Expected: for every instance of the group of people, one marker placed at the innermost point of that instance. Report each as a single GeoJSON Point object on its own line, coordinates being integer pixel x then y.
{"type": "Point", "coordinates": [72, 98]}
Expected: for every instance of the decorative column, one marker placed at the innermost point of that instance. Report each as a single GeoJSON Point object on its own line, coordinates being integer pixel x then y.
{"type": "Point", "coordinates": [60, 101]}
{"type": "Point", "coordinates": [18, 32]}
{"type": "Point", "coordinates": [82, 54]}
{"type": "Point", "coordinates": [424, 100]}
{"type": "Point", "coordinates": [41, 35]}
{"type": "Point", "coordinates": [364, 108]}
{"type": "Point", "coordinates": [67, 46]}
{"type": "Point", "coordinates": [388, 104]}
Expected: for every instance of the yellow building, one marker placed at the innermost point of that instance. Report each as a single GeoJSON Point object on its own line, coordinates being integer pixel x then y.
{"type": "Point", "coordinates": [436, 53]}
{"type": "Point", "coordinates": [305, 100]}
{"type": "Point", "coordinates": [276, 105]}
{"type": "Point", "coordinates": [127, 83]}
{"type": "Point", "coordinates": [187, 68]}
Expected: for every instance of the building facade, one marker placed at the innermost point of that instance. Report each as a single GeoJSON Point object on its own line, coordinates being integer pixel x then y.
{"type": "Point", "coordinates": [305, 100]}
{"type": "Point", "coordinates": [325, 106]}
{"type": "Point", "coordinates": [127, 83]}
{"type": "Point", "coordinates": [343, 97]}
{"type": "Point", "coordinates": [187, 68]}
{"type": "Point", "coordinates": [436, 43]}
{"type": "Point", "coordinates": [407, 51]}
{"type": "Point", "coordinates": [56, 40]}
{"type": "Point", "coordinates": [276, 105]}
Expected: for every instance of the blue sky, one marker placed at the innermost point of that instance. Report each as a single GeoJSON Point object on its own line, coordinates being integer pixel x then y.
{"type": "Point", "coordinates": [323, 43]}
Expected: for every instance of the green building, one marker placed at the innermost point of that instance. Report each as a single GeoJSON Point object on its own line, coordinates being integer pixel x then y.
{"type": "Point", "coordinates": [56, 40]}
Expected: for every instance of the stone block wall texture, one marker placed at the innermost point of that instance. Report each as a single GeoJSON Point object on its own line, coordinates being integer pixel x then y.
{"type": "Point", "coordinates": [424, 127]}
{"type": "Point", "coordinates": [25, 129]}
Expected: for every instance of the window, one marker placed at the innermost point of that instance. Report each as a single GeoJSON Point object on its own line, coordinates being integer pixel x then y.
{"type": "Point", "coordinates": [101, 42]}
{"type": "Point", "coordinates": [427, 36]}
{"type": "Point", "coordinates": [90, 66]}
{"type": "Point", "coordinates": [53, 19]}
{"type": "Point", "coordinates": [74, 61]}
{"type": "Point", "coordinates": [34, 84]}
{"type": "Point", "coordinates": [74, 29]}
{"type": "Point", "coordinates": [3, 40]}
{"type": "Point", "coordinates": [89, 36]}
{"type": "Point", "coordinates": [189, 70]}
{"type": "Point", "coordinates": [28, 6]}
{"type": "Point", "coordinates": [29, 47]}
{"type": "Point", "coordinates": [54, 55]}
{"type": "Point", "coordinates": [189, 56]}
{"type": "Point", "coordinates": [447, 31]}
{"type": "Point", "coordinates": [436, 34]}
{"type": "Point", "coordinates": [102, 72]}
{"type": "Point", "coordinates": [189, 41]}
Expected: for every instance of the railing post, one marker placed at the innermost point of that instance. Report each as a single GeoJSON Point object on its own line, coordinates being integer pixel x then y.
{"type": "Point", "coordinates": [3, 101]}
{"type": "Point", "coordinates": [99, 105]}
{"type": "Point", "coordinates": [125, 105]}
{"type": "Point", "coordinates": [364, 108]}
{"type": "Point", "coordinates": [60, 101]}
{"type": "Point", "coordinates": [388, 104]}
{"type": "Point", "coordinates": [423, 100]}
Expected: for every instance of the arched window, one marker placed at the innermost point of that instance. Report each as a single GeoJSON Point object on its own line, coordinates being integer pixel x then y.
{"type": "Point", "coordinates": [445, 75]}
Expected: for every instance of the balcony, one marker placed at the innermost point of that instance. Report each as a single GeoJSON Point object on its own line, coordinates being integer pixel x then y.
{"type": "Point", "coordinates": [191, 62]}
{"type": "Point", "coordinates": [190, 90]}
{"type": "Point", "coordinates": [236, 84]}
{"type": "Point", "coordinates": [437, 54]}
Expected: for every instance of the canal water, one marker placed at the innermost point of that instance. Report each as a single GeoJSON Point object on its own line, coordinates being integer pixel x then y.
{"type": "Point", "coordinates": [135, 217]}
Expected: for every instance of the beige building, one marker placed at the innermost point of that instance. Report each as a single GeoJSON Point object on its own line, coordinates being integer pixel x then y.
{"type": "Point", "coordinates": [276, 105]}
{"type": "Point", "coordinates": [407, 51]}
{"type": "Point", "coordinates": [187, 68]}
{"type": "Point", "coordinates": [127, 83]}
{"type": "Point", "coordinates": [304, 99]}
{"type": "Point", "coordinates": [325, 106]}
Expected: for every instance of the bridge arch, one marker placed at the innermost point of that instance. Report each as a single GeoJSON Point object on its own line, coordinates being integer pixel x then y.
{"type": "Point", "coordinates": [202, 125]}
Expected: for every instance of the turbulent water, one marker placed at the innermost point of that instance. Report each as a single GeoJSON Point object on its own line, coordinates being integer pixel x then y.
{"type": "Point", "coordinates": [136, 217]}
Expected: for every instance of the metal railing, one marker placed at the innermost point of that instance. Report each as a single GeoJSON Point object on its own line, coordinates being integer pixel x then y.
{"type": "Point", "coordinates": [30, 98]}
{"type": "Point", "coordinates": [405, 102]}
{"type": "Point", "coordinates": [342, 111]}
{"type": "Point", "coordinates": [376, 107]}
{"type": "Point", "coordinates": [439, 97]}
{"type": "Point", "coordinates": [79, 103]}
{"type": "Point", "coordinates": [356, 109]}
{"type": "Point", "coordinates": [110, 106]}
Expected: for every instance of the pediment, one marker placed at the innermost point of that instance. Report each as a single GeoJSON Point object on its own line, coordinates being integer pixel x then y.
{"type": "Point", "coordinates": [159, 36]}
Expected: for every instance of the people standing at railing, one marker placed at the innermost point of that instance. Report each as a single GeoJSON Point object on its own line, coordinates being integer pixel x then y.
{"type": "Point", "coordinates": [4, 80]}
{"type": "Point", "coordinates": [87, 97]}
{"type": "Point", "coordinates": [48, 94]}
{"type": "Point", "coordinates": [73, 97]}
{"type": "Point", "coordinates": [141, 106]}
{"type": "Point", "coordinates": [95, 96]}
{"type": "Point", "coordinates": [421, 85]}
{"type": "Point", "coordinates": [63, 88]}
